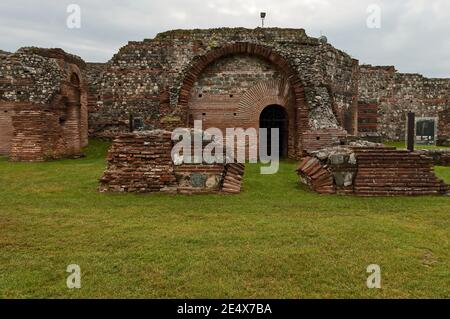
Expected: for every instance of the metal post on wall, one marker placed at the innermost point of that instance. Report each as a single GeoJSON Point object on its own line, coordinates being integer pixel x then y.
{"type": "Point", "coordinates": [263, 16]}
{"type": "Point", "coordinates": [410, 138]}
{"type": "Point", "coordinates": [131, 122]}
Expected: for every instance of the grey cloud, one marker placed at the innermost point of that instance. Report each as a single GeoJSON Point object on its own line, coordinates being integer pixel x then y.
{"type": "Point", "coordinates": [413, 36]}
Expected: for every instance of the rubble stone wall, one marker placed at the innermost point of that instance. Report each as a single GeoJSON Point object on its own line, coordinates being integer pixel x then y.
{"type": "Point", "coordinates": [93, 73]}
{"type": "Point", "coordinates": [396, 94]}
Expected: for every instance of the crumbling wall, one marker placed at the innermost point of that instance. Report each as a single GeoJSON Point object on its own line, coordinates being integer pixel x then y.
{"type": "Point", "coordinates": [142, 162]}
{"type": "Point", "coordinates": [43, 103]}
{"type": "Point", "coordinates": [369, 169]}
{"type": "Point", "coordinates": [396, 94]}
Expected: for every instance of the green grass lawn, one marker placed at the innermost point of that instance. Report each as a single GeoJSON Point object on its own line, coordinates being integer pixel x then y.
{"type": "Point", "coordinates": [402, 145]}
{"type": "Point", "coordinates": [274, 240]}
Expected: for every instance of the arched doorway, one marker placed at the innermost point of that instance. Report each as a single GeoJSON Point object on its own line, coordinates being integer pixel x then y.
{"type": "Point", "coordinates": [247, 110]}
{"type": "Point", "coordinates": [275, 116]}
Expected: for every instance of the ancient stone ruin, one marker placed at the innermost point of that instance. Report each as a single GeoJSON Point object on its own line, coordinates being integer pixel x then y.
{"type": "Point", "coordinates": [43, 106]}
{"type": "Point", "coordinates": [316, 95]}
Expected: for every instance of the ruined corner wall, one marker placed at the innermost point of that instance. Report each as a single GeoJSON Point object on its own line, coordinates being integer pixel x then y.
{"type": "Point", "coordinates": [395, 94]}
{"type": "Point", "coordinates": [146, 78]}
{"type": "Point", "coordinates": [43, 103]}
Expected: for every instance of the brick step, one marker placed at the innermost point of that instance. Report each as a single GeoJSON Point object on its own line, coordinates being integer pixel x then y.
{"type": "Point", "coordinates": [399, 185]}
{"type": "Point", "coordinates": [396, 189]}
{"type": "Point", "coordinates": [390, 170]}
{"type": "Point", "coordinates": [401, 170]}
{"type": "Point", "coordinates": [418, 177]}
{"type": "Point", "coordinates": [389, 154]}
{"type": "Point", "coordinates": [397, 182]}
{"type": "Point", "coordinates": [406, 173]}
{"type": "Point", "coordinates": [397, 167]}
{"type": "Point", "coordinates": [390, 193]}
{"type": "Point", "coordinates": [395, 162]}
{"type": "Point", "coordinates": [396, 177]}
{"type": "Point", "coordinates": [392, 159]}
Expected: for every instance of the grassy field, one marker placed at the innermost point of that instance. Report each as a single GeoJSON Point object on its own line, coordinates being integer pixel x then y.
{"type": "Point", "coordinates": [274, 240]}
{"type": "Point", "coordinates": [402, 145]}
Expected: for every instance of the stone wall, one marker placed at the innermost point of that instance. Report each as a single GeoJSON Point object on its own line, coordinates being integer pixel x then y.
{"type": "Point", "coordinates": [94, 72]}
{"type": "Point", "coordinates": [43, 103]}
{"type": "Point", "coordinates": [159, 80]}
{"type": "Point", "coordinates": [142, 162]}
{"type": "Point", "coordinates": [444, 128]}
{"type": "Point", "coordinates": [397, 93]}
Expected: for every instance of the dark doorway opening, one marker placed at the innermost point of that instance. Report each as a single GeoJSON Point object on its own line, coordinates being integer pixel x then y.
{"type": "Point", "coordinates": [274, 116]}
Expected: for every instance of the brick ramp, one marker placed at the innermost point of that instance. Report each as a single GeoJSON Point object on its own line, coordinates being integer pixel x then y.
{"type": "Point", "coordinates": [392, 172]}
{"type": "Point", "coordinates": [232, 181]}
{"type": "Point", "coordinates": [316, 175]}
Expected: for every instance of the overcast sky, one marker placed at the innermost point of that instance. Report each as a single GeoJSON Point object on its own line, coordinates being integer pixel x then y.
{"type": "Point", "coordinates": [414, 34]}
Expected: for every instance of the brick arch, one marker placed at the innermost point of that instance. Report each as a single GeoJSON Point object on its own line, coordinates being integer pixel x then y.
{"type": "Point", "coordinates": [262, 51]}
{"type": "Point", "coordinates": [272, 92]}
{"type": "Point", "coordinates": [70, 107]}
{"type": "Point", "coordinates": [264, 93]}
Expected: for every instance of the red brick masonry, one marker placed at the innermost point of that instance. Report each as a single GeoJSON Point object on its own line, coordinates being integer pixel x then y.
{"type": "Point", "coordinates": [142, 162]}
{"type": "Point", "coordinates": [375, 171]}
